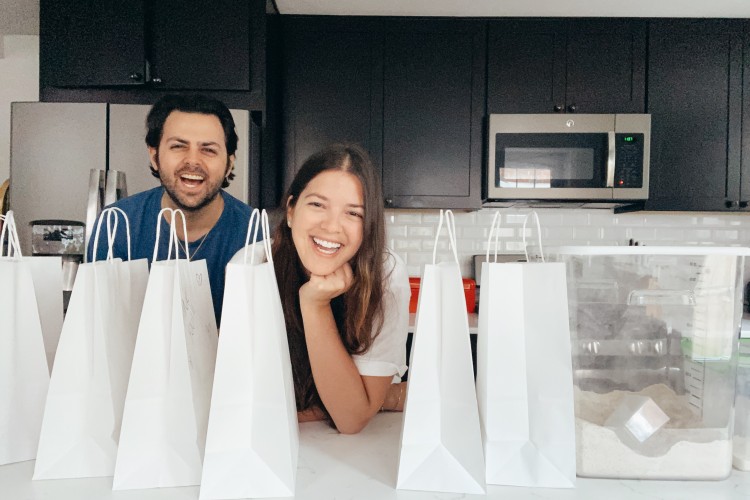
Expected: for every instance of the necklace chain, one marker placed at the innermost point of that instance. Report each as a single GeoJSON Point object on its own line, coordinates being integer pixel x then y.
{"type": "Point", "coordinates": [187, 245]}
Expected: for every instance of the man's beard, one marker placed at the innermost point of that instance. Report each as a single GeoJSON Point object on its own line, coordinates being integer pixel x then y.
{"type": "Point", "coordinates": [182, 203]}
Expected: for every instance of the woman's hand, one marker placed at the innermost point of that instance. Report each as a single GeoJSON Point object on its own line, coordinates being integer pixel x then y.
{"type": "Point", "coordinates": [320, 290]}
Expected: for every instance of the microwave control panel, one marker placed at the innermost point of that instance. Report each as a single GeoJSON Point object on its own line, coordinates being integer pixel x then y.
{"type": "Point", "coordinates": [628, 160]}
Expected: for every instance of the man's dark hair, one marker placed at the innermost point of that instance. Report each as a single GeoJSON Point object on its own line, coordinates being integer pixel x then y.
{"type": "Point", "coordinates": [195, 103]}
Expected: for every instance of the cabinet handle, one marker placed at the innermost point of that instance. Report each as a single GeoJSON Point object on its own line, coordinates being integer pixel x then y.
{"type": "Point", "coordinates": [136, 77]}
{"type": "Point", "coordinates": [743, 204]}
{"type": "Point", "coordinates": [572, 108]}
{"type": "Point", "coordinates": [731, 204]}
{"type": "Point", "coordinates": [156, 80]}
{"type": "Point", "coordinates": [389, 202]}
{"type": "Point", "coordinates": [558, 108]}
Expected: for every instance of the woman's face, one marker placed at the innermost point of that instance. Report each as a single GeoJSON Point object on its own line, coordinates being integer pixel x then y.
{"type": "Point", "coordinates": [327, 221]}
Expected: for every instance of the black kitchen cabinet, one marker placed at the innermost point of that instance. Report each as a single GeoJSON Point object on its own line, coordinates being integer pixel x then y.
{"type": "Point", "coordinates": [411, 91]}
{"type": "Point", "coordinates": [160, 44]}
{"type": "Point", "coordinates": [566, 66]}
{"type": "Point", "coordinates": [433, 102]}
{"type": "Point", "coordinates": [696, 105]}
{"type": "Point", "coordinates": [333, 87]}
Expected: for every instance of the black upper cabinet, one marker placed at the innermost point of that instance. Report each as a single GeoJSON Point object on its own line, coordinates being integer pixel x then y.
{"type": "Point", "coordinates": [410, 91]}
{"type": "Point", "coordinates": [432, 113]}
{"type": "Point", "coordinates": [169, 44]}
{"type": "Point", "coordinates": [567, 66]}
{"type": "Point", "coordinates": [332, 86]}
{"type": "Point", "coordinates": [695, 101]}
{"type": "Point", "coordinates": [92, 43]}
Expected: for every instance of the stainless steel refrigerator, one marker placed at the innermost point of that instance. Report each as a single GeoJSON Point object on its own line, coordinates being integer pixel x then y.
{"type": "Point", "coordinates": [68, 160]}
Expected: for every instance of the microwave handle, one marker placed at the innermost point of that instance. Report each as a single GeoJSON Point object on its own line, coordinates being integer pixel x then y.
{"type": "Point", "coordinates": [611, 160]}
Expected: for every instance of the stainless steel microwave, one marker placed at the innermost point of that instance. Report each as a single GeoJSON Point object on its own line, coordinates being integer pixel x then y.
{"type": "Point", "coordinates": [568, 157]}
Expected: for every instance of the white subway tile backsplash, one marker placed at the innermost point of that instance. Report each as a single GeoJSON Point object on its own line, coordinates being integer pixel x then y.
{"type": "Point", "coordinates": [403, 245]}
{"type": "Point", "coordinates": [698, 235]}
{"type": "Point", "coordinates": [474, 231]}
{"type": "Point", "coordinates": [408, 218]}
{"type": "Point", "coordinates": [420, 232]}
{"type": "Point", "coordinates": [729, 235]}
{"type": "Point", "coordinates": [412, 233]}
{"type": "Point", "coordinates": [395, 231]}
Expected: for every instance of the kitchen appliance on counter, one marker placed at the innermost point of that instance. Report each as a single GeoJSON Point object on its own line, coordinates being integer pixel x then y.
{"type": "Point", "coordinates": [594, 158]}
{"type": "Point", "coordinates": [654, 343]}
{"type": "Point", "coordinates": [69, 160]}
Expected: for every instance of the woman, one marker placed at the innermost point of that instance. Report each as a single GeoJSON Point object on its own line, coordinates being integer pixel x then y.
{"type": "Point", "coordinates": [345, 297]}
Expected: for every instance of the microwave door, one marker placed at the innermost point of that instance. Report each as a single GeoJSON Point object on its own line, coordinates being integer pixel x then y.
{"type": "Point", "coordinates": [551, 166]}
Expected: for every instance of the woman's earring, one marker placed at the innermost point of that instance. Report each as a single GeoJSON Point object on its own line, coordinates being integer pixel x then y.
{"type": "Point", "coordinates": [289, 222]}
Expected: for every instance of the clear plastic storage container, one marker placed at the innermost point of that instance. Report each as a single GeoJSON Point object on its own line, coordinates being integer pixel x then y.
{"type": "Point", "coordinates": [654, 340]}
{"type": "Point", "coordinates": [742, 402]}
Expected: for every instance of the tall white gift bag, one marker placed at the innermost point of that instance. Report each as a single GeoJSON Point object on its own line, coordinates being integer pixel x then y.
{"type": "Point", "coordinates": [164, 422]}
{"type": "Point", "coordinates": [253, 434]}
{"type": "Point", "coordinates": [441, 443]}
{"type": "Point", "coordinates": [524, 373]}
{"type": "Point", "coordinates": [83, 412]}
{"type": "Point", "coordinates": [24, 372]}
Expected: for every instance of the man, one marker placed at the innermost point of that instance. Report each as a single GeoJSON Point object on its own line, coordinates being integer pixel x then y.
{"type": "Point", "coordinates": [191, 143]}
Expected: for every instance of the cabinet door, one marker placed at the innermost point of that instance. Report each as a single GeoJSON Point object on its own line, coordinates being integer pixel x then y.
{"type": "Point", "coordinates": [526, 66]}
{"type": "Point", "coordinates": [333, 87]}
{"type": "Point", "coordinates": [695, 97]}
{"type": "Point", "coordinates": [197, 45]}
{"type": "Point", "coordinates": [606, 66]}
{"type": "Point", "coordinates": [567, 66]}
{"type": "Point", "coordinates": [433, 105]}
{"type": "Point", "coordinates": [92, 43]}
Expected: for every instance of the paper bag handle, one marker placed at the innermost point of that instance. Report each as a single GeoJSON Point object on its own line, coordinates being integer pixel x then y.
{"type": "Point", "coordinates": [265, 234]}
{"type": "Point", "coordinates": [111, 213]}
{"type": "Point", "coordinates": [539, 235]}
{"type": "Point", "coordinates": [450, 225]}
{"type": "Point", "coordinates": [495, 223]}
{"type": "Point", "coordinates": [10, 234]}
{"type": "Point", "coordinates": [173, 239]}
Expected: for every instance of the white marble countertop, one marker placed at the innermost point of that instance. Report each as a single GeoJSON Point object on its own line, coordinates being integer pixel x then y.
{"type": "Point", "coordinates": [364, 467]}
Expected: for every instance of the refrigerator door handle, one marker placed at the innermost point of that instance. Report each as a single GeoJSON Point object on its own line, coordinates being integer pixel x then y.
{"type": "Point", "coordinates": [94, 204]}
{"type": "Point", "coordinates": [116, 187]}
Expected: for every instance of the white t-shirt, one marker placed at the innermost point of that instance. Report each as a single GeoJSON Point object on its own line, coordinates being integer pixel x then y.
{"type": "Point", "coordinates": [387, 354]}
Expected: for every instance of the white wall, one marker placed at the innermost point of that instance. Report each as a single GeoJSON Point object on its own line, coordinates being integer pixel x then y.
{"type": "Point", "coordinates": [19, 81]}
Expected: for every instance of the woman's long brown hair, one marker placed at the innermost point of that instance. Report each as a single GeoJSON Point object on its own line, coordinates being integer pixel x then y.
{"type": "Point", "coordinates": [359, 312]}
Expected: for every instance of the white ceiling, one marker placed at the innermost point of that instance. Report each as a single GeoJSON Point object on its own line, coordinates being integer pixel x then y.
{"type": "Point", "coordinates": [520, 8]}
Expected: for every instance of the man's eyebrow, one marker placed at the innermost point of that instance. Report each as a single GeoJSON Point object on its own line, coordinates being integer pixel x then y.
{"type": "Point", "coordinates": [185, 141]}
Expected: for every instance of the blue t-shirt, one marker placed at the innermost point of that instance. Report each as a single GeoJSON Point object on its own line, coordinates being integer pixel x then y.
{"type": "Point", "coordinates": [220, 244]}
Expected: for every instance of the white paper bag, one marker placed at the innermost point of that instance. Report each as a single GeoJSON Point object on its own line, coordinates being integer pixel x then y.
{"type": "Point", "coordinates": [24, 374]}
{"type": "Point", "coordinates": [524, 374]}
{"type": "Point", "coordinates": [46, 272]}
{"type": "Point", "coordinates": [86, 395]}
{"type": "Point", "coordinates": [253, 434]}
{"type": "Point", "coordinates": [441, 444]}
{"type": "Point", "coordinates": [166, 408]}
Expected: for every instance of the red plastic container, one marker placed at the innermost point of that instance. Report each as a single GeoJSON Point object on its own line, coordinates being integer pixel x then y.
{"type": "Point", "coordinates": [470, 294]}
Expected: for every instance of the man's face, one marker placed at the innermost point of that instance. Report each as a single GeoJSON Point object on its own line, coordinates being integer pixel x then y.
{"type": "Point", "coordinates": [191, 159]}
